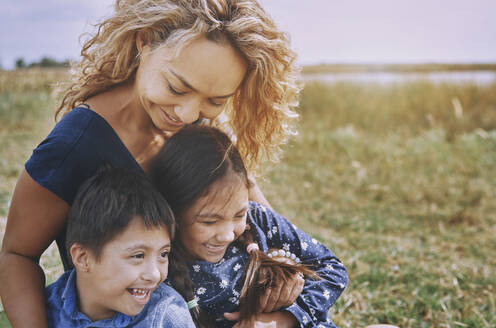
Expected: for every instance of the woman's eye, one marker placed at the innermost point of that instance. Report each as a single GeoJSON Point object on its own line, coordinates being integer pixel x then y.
{"type": "Point", "coordinates": [174, 91]}
{"type": "Point", "coordinates": [138, 256]}
{"type": "Point", "coordinates": [217, 104]}
{"type": "Point", "coordinates": [241, 216]}
{"type": "Point", "coordinates": [164, 254]}
{"type": "Point", "coordinates": [209, 222]}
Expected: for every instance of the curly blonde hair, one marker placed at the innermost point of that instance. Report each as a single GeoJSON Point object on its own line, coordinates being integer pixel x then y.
{"type": "Point", "coordinates": [261, 113]}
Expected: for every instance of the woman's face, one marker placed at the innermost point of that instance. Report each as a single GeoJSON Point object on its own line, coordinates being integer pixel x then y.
{"type": "Point", "coordinates": [195, 84]}
{"type": "Point", "coordinates": [215, 220]}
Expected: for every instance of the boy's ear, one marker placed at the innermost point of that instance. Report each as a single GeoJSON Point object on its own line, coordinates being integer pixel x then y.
{"type": "Point", "coordinates": [80, 257]}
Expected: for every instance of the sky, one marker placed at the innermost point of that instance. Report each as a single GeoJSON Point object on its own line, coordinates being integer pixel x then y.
{"type": "Point", "coordinates": [321, 31]}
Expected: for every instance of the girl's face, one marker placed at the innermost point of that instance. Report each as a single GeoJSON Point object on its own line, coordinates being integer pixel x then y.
{"type": "Point", "coordinates": [215, 220]}
{"type": "Point", "coordinates": [195, 84]}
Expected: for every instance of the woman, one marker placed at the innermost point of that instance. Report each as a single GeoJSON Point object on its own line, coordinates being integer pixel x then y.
{"type": "Point", "coordinates": [202, 176]}
{"type": "Point", "coordinates": [151, 68]}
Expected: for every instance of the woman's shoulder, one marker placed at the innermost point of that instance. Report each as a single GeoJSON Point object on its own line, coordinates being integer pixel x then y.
{"type": "Point", "coordinates": [73, 151]}
{"type": "Point", "coordinates": [68, 131]}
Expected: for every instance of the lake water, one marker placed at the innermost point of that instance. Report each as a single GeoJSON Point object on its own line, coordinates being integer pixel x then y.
{"type": "Point", "coordinates": [478, 77]}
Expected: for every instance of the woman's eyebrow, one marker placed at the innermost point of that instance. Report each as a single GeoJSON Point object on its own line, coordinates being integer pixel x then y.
{"type": "Point", "coordinates": [189, 86]}
{"type": "Point", "coordinates": [183, 80]}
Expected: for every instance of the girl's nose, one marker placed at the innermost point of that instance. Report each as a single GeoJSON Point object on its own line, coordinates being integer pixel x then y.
{"type": "Point", "coordinates": [226, 234]}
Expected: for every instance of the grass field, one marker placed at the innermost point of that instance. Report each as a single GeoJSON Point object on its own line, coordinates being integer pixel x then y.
{"type": "Point", "coordinates": [398, 180]}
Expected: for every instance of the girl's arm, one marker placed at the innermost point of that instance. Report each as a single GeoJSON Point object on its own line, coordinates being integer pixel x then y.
{"type": "Point", "coordinates": [36, 217]}
{"type": "Point", "coordinates": [312, 306]}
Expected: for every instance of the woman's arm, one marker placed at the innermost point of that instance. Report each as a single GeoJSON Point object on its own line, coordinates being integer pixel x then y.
{"type": "Point", "coordinates": [36, 217]}
{"type": "Point", "coordinates": [256, 194]}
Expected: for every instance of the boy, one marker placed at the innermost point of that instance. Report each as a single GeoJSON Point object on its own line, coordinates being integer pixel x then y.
{"type": "Point", "coordinates": [118, 236]}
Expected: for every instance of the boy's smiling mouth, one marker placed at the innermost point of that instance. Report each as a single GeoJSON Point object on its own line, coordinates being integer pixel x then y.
{"type": "Point", "coordinates": [141, 294]}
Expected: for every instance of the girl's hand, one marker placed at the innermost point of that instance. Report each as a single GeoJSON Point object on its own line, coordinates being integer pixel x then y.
{"type": "Point", "coordinates": [280, 319]}
{"type": "Point", "coordinates": [283, 295]}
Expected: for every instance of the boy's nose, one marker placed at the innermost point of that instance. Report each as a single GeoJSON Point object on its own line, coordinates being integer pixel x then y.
{"type": "Point", "coordinates": [154, 272]}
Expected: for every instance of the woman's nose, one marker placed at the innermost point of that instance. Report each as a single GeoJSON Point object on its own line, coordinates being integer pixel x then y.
{"type": "Point", "coordinates": [188, 112]}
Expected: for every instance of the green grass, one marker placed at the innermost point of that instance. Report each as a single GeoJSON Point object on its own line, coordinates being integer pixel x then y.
{"type": "Point", "coordinates": [398, 180]}
{"type": "Point", "coordinates": [402, 188]}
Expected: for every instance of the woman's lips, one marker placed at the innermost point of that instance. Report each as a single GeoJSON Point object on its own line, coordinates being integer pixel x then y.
{"type": "Point", "coordinates": [170, 119]}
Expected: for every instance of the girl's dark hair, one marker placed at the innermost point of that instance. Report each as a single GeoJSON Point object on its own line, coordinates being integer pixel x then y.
{"type": "Point", "coordinates": [188, 164]}
{"type": "Point", "coordinates": [107, 202]}
{"type": "Point", "coordinates": [262, 273]}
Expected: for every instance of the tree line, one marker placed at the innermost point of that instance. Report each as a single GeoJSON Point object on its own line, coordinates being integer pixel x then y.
{"type": "Point", "coordinates": [44, 62]}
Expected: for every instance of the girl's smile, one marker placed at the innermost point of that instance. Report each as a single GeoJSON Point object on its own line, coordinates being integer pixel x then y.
{"type": "Point", "coordinates": [216, 219]}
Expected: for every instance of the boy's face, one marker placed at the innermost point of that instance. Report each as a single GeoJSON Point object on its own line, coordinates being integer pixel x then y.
{"type": "Point", "coordinates": [130, 267]}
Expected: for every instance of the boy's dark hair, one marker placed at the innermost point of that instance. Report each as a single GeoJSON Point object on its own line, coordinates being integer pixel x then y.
{"type": "Point", "coordinates": [107, 202]}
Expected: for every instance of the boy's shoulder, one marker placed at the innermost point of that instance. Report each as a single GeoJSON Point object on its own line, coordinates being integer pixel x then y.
{"type": "Point", "coordinates": [165, 289]}
{"type": "Point", "coordinates": [61, 299]}
{"type": "Point", "coordinates": [60, 288]}
{"type": "Point", "coordinates": [166, 308]}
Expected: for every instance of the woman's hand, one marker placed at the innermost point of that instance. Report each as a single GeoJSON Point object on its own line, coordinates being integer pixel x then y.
{"type": "Point", "coordinates": [280, 319]}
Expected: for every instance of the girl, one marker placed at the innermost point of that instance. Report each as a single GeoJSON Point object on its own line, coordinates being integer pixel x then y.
{"type": "Point", "coordinates": [150, 68]}
{"type": "Point", "coordinates": [203, 177]}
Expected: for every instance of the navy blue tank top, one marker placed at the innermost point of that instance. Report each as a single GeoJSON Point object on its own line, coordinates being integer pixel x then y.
{"type": "Point", "coordinates": [73, 151]}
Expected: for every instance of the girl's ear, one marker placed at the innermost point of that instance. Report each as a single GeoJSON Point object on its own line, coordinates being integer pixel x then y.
{"type": "Point", "coordinates": [80, 257]}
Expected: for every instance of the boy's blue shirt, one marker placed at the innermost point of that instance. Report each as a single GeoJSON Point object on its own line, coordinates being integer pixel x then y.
{"type": "Point", "coordinates": [166, 308]}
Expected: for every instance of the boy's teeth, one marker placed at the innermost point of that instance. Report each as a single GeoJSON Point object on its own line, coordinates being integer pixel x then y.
{"type": "Point", "coordinates": [140, 293]}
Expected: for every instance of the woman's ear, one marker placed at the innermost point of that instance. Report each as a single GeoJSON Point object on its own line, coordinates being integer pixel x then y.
{"type": "Point", "coordinates": [141, 41]}
{"type": "Point", "coordinates": [80, 257]}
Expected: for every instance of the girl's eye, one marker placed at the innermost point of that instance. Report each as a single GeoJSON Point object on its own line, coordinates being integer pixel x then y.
{"type": "Point", "coordinates": [138, 256]}
{"type": "Point", "coordinates": [164, 254]}
{"type": "Point", "coordinates": [174, 91]}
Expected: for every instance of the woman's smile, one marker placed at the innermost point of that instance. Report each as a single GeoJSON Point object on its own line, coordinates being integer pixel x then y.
{"type": "Point", "coordinates": [170, 119]}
